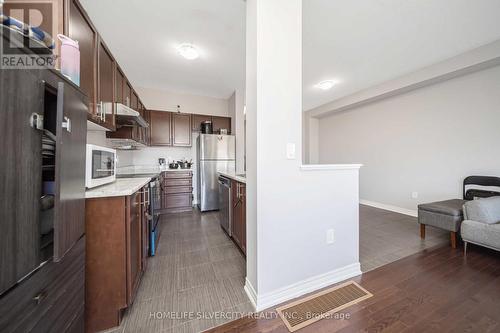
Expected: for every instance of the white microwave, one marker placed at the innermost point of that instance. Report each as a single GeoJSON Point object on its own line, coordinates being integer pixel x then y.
{"type": "Point", "coordinates": [100, 166]}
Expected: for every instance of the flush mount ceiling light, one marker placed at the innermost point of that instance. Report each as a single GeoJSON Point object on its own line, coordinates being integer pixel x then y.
{"type": "Point", "coordinates": [188, 51]}
{"type": "Point", "coordinates": [326, 85]}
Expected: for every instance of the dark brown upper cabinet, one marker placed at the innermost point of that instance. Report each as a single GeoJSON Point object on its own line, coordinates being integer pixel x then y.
{"type": "Point", "coordinates": [127, 93]}
{"type": "Point", "coordinates": [106, 86]}
{"type": "Point", "coordinates": [147, 116]}
{"type": "Point", "coordinates": [219, 123]}
{"type": "Point", "coordinates": [161, 128]}
{"type": "Point", "coordinates": [198, 119]}
{"type": "Point", "coordinates": [181, 129]}
{"type": "Point", "coordinates": [120, 81]}
{"type": "Point", "coordinates": [134, 101]}
{"type": "Point", "coordinates": [80, 28]}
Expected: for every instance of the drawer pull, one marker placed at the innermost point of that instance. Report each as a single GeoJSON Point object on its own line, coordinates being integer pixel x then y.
{"type": "Point", "coordinates": [40, 297]}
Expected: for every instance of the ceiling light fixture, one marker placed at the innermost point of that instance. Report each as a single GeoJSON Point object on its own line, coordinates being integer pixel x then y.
{"type": "Point", "coordinates": [188, 51]}
{"type": "Point", "coordinates": [326, 85]}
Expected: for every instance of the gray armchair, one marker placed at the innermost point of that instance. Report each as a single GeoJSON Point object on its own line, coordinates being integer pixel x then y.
{"type": "Point", "coordinates": [481, 225]}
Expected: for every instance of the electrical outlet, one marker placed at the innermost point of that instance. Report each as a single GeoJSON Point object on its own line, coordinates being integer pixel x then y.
{"type": "Point", "coordinates": [414, 195]}
{"type": "Point", "coordinates": [330, 236]}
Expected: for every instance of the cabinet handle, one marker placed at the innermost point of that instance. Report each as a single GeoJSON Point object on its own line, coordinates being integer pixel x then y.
{"type": "Point", "coordinates": [67, 124]}
{"type": "Point", "coordinates": [40, 297]}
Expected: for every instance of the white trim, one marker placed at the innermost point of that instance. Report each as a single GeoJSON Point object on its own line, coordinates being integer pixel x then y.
{"type": "Point", "coordinates": [391, 208]}
{"type": "Point", "coordinates": [265, 301]}
{"type": "Point", "coordinates": [252, 295]}
{"type": "Point", "coordinates": [315, 167]}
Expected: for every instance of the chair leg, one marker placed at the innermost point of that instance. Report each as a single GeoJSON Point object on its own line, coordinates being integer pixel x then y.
{"type": "Point", "coordinates": [453, 238]}
{"type": "Point", "coordinates": [422, 231]}
{"type": "Point", "coordinates": [465, 249]}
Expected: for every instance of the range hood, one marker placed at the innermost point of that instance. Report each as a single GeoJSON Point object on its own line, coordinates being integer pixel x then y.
{"type": "Point", "coordinates": [129, 117]}
{"type": "Point", "coordinates": [126, 144]}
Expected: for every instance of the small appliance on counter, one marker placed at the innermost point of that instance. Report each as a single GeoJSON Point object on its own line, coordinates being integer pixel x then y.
{"type": "Point", "coordinates": [184, 164]}
{"type": "Point", "coordinates": [206, 127]}
{"type": "Point", "coordinates": [100, 166]}
{"type": "Point", "coordinates": [162, 163]}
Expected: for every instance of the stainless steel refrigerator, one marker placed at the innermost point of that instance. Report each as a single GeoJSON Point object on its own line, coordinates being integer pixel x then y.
{"type": "Point", "coordinates": [215, 153]}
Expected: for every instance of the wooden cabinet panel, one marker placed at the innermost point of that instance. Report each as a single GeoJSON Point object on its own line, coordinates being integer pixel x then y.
{"type": "Point", "coordinates": [239, 214]}
{"type": "Point", "coordinates": [59, 288]}
{"type": "Point", "coordinates": [178, 182]}
{"type": "Point", "coordinates": [243, 218]}
{"type": "Point", "coordinates": [21, 180]}
{"type": "Point", "coordinates": [80, 28]}
{"type": "Point", "coordinates": [69, 222]}
{"type": "Point", "coordinates": [134, 245]}
{"type": "Point", "coordinates": [177, 174]}
{"type": "Point", "coordinates": [134, 101]}
{"type": "Point", "coordinates": [219, 123]}
{"type": "Point", "coordinates": [119, 89]}
{"type": "Point", "coordinates": [106, 85]}
{"type": "Point", "coordinates": [198, 119]}
{"type": "Point", "coordinates": [174, 201]}
{"type": "Point", "coordinates": [181, 129]}
{"type": "Point", "coordinates": [177, 191]}
{"type": "Point", "coordinates": [161, 134]}
{"type": "Point", "coordinates": [147, 116]}
{"type": "Point", "coordinates": [106, 264]}
{"type": "Point", "coordinates": [127, 93]}
{"type": "Point", "coordinates": [144, 226]}
{"type": "Point", "coordinates": [116, 256]}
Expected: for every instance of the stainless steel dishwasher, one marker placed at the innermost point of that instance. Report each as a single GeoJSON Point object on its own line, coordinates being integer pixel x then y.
{"type": "Point", "coordinates": [225, 204]}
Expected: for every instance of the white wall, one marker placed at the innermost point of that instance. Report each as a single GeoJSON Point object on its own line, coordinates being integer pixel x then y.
{"type": "Point", "coordinates": [289, 207]}
{"type": "Point", "coordinates": [424, 141]}
{"type": "Point", "coordinates": [164, 100]}
{"type": "Point", "coordinates": [231, 109]}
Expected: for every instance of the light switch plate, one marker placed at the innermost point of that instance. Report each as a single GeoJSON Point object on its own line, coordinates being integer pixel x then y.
{"type": "Point", "coordinates": [290, 151]}
{"type": "Point", "coordinates": [330, 236]}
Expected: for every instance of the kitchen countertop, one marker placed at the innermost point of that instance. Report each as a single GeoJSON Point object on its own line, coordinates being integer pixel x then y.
{"type": "Point", "coordinates": [120, 187]}
{"type": "Point", "coordinates": [234, 175]}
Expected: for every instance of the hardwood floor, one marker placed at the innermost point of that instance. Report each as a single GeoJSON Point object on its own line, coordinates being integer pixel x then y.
{"type": "Point", "coordinates": [436, 290]}
{"type": "Point", "coordinates": [385, 237]}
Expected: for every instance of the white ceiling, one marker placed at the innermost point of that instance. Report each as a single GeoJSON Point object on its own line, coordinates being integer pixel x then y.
{"type": "Point", "coordinates": [366, 42]}
{"type": "Point", "coordinates": [359, 42]}
{"type": "Point", "coordinates": [142, 35]}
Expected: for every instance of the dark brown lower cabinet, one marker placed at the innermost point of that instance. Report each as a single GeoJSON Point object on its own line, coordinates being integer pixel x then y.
{"type": "Point", "coordinates": [177, 191]}
{"type": "Point", "coordinates": [51, 300]}
{"type": "Point", "coordinates": [239, 215]}
{"type": "Point", "coordinates": [115, 262]}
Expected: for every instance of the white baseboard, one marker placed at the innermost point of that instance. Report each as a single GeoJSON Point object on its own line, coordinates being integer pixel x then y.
{"type": "Point", "coordinates": [265, 301]}
{"type": "Point", "coordinates": [252, 295]}
{"type": "Point", "coordinates": [391, 208]}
